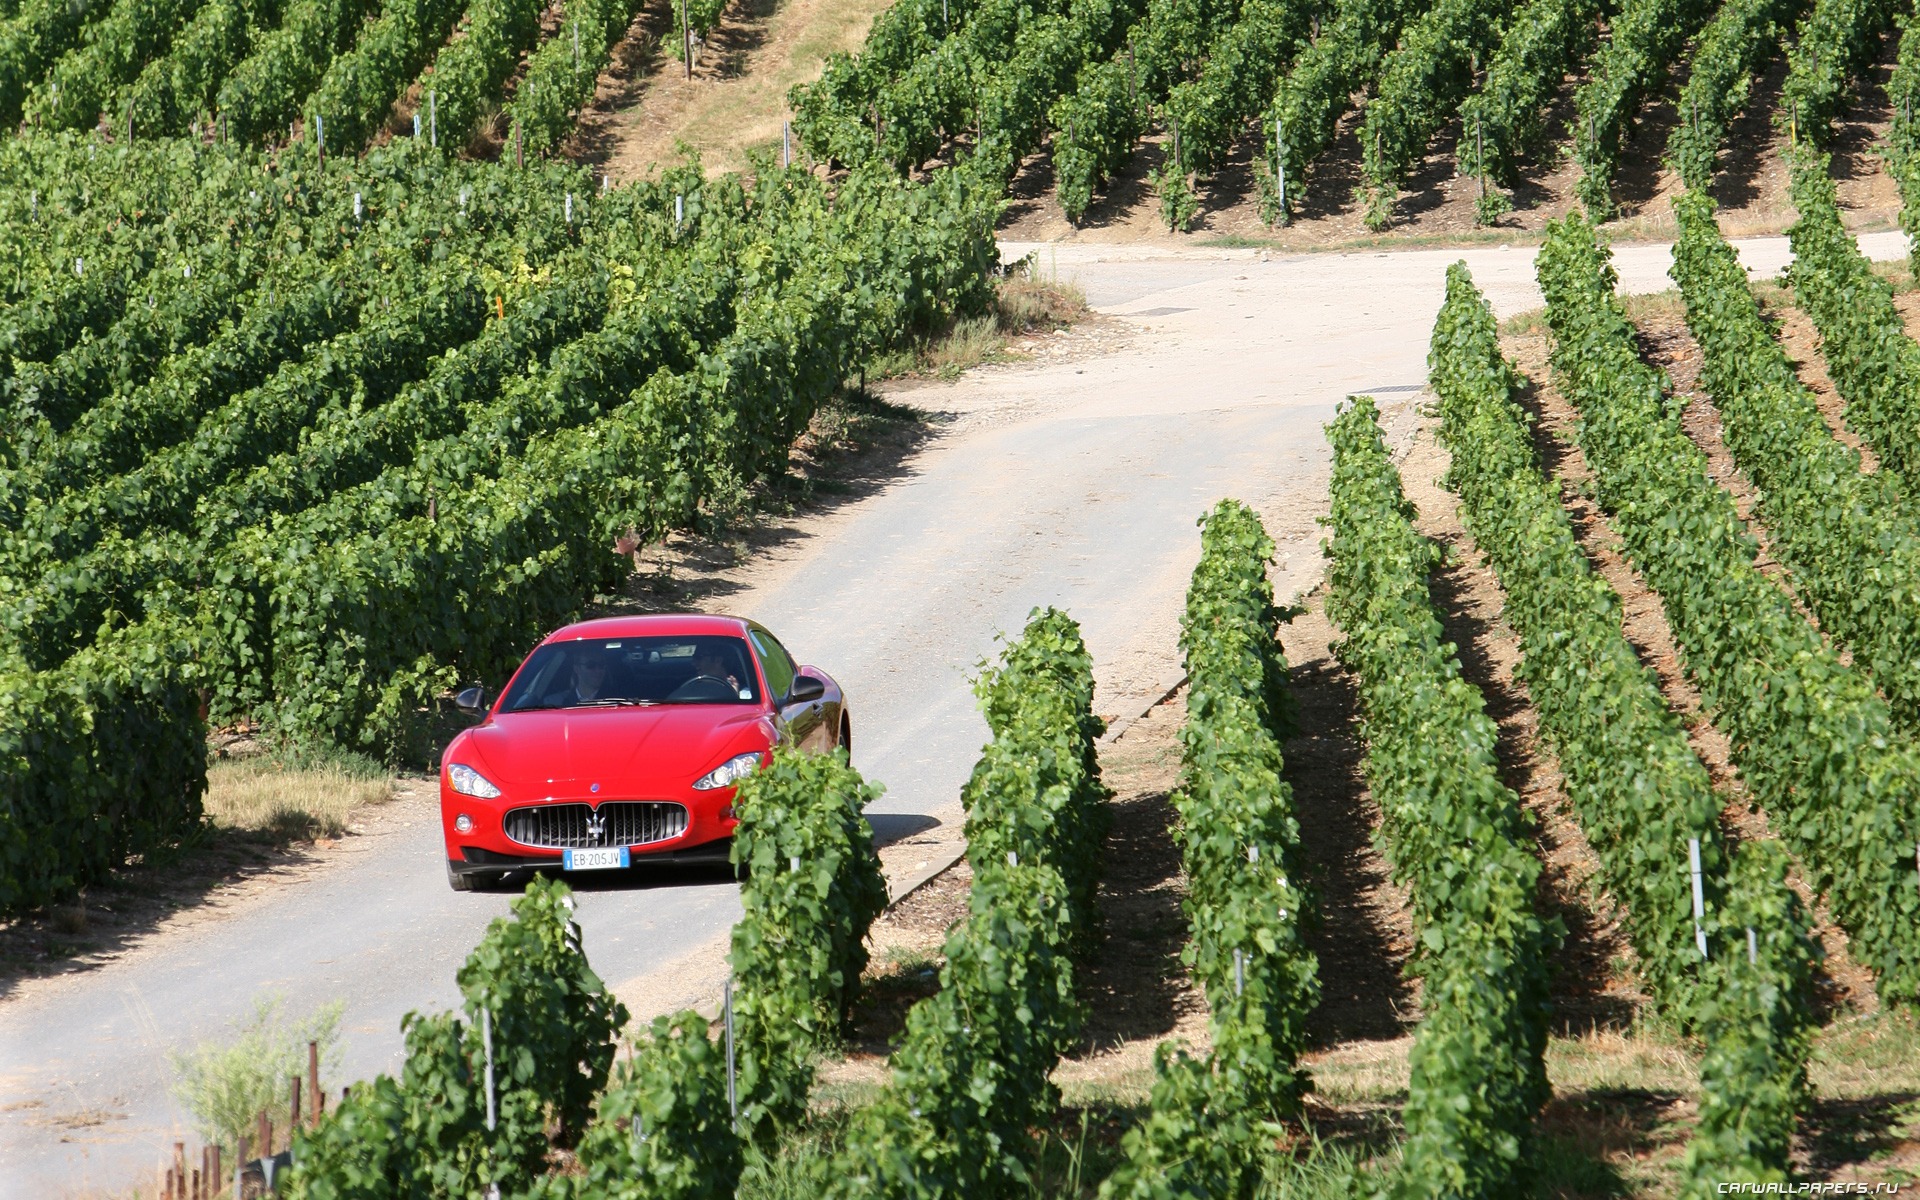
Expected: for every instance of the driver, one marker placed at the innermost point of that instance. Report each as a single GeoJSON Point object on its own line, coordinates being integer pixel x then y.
{"type": "Point", "coordinates": [710, 661]}
{"type": "Point", "coordinates": [589, 676]}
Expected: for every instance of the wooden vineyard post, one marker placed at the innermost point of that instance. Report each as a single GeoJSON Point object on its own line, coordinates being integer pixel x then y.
{"type": "Point", "coordinates": [686, 40]}
{"type": "Point", "coordinates": [1480, 155]}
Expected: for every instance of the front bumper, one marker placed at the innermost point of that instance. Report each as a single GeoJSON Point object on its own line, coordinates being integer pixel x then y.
{"type": "Point", "coordinates": [486, 848]}
{"type": "Point", "coordinates": [476, 860]}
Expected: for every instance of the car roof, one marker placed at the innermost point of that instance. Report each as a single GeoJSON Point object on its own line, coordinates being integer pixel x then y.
{"type": "Point", "coordinates": [650, 625]}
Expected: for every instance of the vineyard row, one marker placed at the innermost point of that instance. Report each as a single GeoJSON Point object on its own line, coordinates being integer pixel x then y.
{"type": "Point", "coordinates": [1278, 76]}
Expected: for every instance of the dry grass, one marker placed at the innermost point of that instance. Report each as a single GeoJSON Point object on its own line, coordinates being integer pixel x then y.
{"type": "Point", "coordinates": [268, 794]}
{"type": "Point", "coordinates": [1875, 1054]}
{"type": "Point", "coordinates": [1608, 1059]}
{"type": "Point", "coordinates": [1024, 303]}
{"type": "Point", "coordinates": [1366, 1072]}
{"type": "Point", "coordinates": [1361, 1071]}
{"type": "Point", "coordinates": [1640, 307]}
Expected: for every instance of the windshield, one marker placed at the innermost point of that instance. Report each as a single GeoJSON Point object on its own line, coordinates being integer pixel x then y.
{"type": "Point", "coordinates": [618, 672]}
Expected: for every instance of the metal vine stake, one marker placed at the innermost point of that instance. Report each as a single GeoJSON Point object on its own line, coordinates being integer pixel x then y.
{"type": "Point", "coordinates": [1280, 162]}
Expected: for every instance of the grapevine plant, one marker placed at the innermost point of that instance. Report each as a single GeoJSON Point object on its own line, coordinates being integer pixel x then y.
{"type": "Point", "coordinates": [1874, 364]}
{"type": "Point", "coordinates": [1504, 121]}
{"type": "Point", "coordinates": [538, 1015]}
{"type": "Point", "coordinates": [1850, 539]}
{"type": "Point", "coordinates": [813, 888]}
{"type": "Point", "coordinates": [1239, 842]}
{"type": "Point", "coordinates": [971, 1074]}
{"type": "Point", "coordinates": [262, 404]}
{"type": "Point", "coordinates": [1456, 836]}
{"type": "Point", "coordinates": [1742, 37]}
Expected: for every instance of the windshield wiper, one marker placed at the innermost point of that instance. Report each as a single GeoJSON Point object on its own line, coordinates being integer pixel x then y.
{"type": "Point", "coordinates": [613, 702]}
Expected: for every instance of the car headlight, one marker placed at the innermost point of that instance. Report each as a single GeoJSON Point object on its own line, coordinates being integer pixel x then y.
{"type": "Point", "coordinates": [729, 772]}
{"type": "Point", "coordinates": [469, 782]}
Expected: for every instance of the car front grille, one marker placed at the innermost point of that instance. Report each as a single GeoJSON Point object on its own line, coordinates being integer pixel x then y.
{"type": "Point", "coordinates": [622, 823]}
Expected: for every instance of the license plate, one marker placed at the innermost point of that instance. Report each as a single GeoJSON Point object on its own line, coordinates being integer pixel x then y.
{"type": "Point", "coordinates": [596, 860]}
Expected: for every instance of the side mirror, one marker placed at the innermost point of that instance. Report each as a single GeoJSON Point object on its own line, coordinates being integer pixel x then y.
{"type": "Point", "coordinates": [471, 701]}
{"type": "Point", "coordinates": [805, 688]}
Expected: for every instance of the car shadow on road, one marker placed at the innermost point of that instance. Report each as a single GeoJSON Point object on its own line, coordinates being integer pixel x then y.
{"type": "Point", "coordinates": [889, 828]}
{"type": "Point", "coordinates": [641, 877]}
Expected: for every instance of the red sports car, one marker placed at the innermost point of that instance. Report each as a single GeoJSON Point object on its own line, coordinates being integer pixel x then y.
{"type": "Point", "coordinates": [621, 739]}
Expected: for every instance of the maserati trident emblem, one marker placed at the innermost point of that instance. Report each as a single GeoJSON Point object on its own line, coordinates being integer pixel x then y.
{"type": "Point", "coordinates": [596, 827]}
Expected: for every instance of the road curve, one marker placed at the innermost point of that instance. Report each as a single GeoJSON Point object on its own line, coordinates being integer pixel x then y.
{"type": "Point", "coordinates": [1073, 480]}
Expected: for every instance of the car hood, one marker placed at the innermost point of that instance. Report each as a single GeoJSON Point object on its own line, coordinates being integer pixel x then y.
{"type": "Point", "coordinates": [618, 748]}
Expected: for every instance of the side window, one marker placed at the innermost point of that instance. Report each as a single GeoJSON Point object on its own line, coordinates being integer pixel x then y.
{"type": "Point", "coordinates": [774, 660]}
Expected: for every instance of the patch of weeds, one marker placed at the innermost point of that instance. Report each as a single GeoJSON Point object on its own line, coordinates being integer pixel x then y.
{"type": "Point", "coordinates": [1024, 302]}
{"type": "Point", "coordinates": [225, 1085]}
{"type": "Point", "coordinates": [1081, 1149]}
{"type": "Point", "coordinates": [792, 1170]}
{"type": "Point", "coordinates": [1317, 1169]}
{"type": "Point", "coordinates": [1645, 307]}
{"type": "Point", "coordinates": [1239, 241]}
{"type": "Point", "coordinates": [970, 342]}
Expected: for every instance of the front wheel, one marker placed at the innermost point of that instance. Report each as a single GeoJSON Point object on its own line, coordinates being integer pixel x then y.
{"type": "Point", "coordinates": [459, 881]}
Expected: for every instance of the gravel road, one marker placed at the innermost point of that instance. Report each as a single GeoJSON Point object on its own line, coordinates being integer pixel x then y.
{"type": "Point", "coordinates": [1073, 479]}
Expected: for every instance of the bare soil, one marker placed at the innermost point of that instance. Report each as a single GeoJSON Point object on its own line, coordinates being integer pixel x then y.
{"type": "Point", "coordinates": [735, 100]}
{"type": "Point", "coordinates": [1365, 932]}
{"type": "Point", "coordinates": [1135, 988]}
